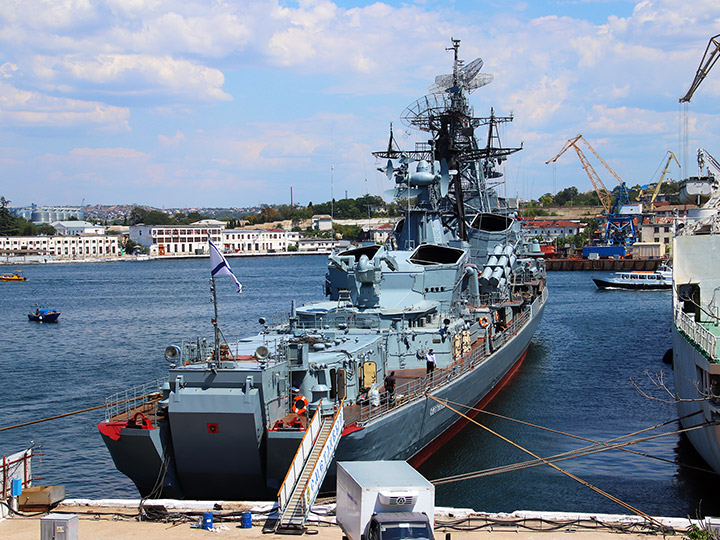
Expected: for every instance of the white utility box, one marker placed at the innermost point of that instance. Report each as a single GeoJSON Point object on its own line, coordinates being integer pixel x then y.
{"type": "Point", "coordinates": [368, 488]}
{"type": "Point", "coordinates": [59, 527]}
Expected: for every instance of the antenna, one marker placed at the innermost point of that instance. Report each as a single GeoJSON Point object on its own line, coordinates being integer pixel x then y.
{"type": "Point", "coordinates": [469, 77]}
{"type": "Point", "coordinates": [332, 208]}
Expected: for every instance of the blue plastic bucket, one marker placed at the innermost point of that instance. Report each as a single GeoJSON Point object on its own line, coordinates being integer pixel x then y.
{"type": "Point", "coordinates": [245, 520]}
{"type": "Point", "coordinates": [207, 522]}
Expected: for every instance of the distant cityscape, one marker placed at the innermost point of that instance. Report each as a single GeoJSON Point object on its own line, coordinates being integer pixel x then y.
{"type": "Point", "coordinates": [563, 224]}
{"type": "Point", "coordinates": [119, 212]}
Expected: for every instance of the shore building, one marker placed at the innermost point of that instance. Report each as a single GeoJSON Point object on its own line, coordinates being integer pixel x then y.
{"type": "Point", "coordinates": [82, 246]}
{"type": "Point", "coordinates": [176, 240]}
{"type": "Point", "coordinates": [550, 229]}
{"type": "Point", "coordinates": [70, 228]}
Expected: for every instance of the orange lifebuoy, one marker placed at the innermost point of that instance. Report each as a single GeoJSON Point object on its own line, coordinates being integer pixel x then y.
{"type": "Point", "coordinates": [299, 405]}
{"type": "Point", "coordinates": [484, 321]}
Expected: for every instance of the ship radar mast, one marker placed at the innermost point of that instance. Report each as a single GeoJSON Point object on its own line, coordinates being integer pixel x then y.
{"type": "Point", "coordinates": [460, 164]}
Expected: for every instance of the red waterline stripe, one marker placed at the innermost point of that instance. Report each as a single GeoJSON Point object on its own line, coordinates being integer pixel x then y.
{"type": "Point", "coordinates": [434, 445]}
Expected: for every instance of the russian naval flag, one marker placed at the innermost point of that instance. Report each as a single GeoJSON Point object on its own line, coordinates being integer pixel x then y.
{"type": "Point", "coordinates": [219, 266]}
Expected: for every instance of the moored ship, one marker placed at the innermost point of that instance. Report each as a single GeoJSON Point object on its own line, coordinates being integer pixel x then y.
{"type": "Point", "coordinates": [457, 278]}
{"type": "Point", "coordinates": [696, 331]}
{"type": "Point", "coordinates": [696, 299]}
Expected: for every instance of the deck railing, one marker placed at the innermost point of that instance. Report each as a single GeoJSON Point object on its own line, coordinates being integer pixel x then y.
{"type": "Point", "coordinates": [698, 334]}
{"type": "Point", "coordinates": [119, 407]}
{"type": "Point", "coordinates": [18, 465]}
{"type": "Point", "coordinates": [416, 389]}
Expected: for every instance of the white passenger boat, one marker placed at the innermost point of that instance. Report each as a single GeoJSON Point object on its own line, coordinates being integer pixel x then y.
{"type": "Point", "coordinates": [658, 279]}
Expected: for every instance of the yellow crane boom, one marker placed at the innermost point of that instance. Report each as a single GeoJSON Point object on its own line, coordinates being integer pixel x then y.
{"type": "Point", "coordinates": [671, 156]}
{"type": "Point", "coordinates": [602, 192]}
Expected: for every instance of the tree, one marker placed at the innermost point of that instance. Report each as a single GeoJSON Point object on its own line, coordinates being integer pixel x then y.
{"type": "Point", "coordinates": [566, 196]}
{"type": "Point", "coordinates": [8, 222]}
{"type": "Point", "coordinates": [547, 200]}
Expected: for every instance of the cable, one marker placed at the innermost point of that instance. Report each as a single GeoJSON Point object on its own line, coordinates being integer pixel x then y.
{"type": "Point", "coordinates": [591, 449]}
{"type": "Point", "coordinates": [559, 469]}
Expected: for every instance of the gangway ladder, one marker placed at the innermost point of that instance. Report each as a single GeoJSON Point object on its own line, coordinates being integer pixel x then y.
{"type": "Point", "coordinates": [344, 299]}
{"type": "Point", "coordinates": [308, 468]}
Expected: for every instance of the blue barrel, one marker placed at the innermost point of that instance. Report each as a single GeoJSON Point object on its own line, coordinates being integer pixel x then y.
{"type": "Point", "coordinates": [245, 520]}
{"type": "Point", "coordinates": [207, 522]}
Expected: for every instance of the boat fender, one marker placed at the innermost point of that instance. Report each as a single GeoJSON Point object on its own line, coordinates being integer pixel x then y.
{"type": "Point", "coordinates": [300, 404]}
{"type": "Point", "coordinates": [484, 321]}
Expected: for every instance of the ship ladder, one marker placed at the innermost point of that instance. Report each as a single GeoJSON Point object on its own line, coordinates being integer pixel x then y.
{"type": "Point", "coordinates": [307, 471]}
{"type": "Point", "coordinates": [344, 298]}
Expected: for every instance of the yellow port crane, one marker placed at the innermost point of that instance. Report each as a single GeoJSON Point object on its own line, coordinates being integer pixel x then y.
{"type": "Point", "coordinates": [706, 64]}
{"type": "Point", "coordinates": [656, 191]}
{"type": "Point", "coordinates": [602, 192]}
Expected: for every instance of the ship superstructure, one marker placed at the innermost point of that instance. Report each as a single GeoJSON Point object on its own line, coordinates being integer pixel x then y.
{"type": "Point", "coordinates": [457, 278]}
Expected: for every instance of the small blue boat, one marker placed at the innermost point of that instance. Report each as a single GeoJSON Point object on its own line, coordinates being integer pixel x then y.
{"type": "Point", "coordinates": [44, 315]}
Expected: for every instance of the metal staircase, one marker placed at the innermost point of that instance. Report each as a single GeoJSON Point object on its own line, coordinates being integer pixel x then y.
{"type": "Point", "coordinates": [307, 471]}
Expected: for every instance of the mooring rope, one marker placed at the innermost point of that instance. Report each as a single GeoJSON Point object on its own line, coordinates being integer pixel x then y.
{"type": "Point", "coordinates": [572, 454]}
{"type": "Point", "coordinates": [596, 489]}
{"type": "Point", "coordinates": [608, 444]}
{"type": "Point", "coordinates": [76, 412]}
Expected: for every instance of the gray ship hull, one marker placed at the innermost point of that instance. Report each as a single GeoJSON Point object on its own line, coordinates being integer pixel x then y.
{"type": "Point", "coordinates": [696, 416]}
{"type": "Point", "coordinates": [412, 432]}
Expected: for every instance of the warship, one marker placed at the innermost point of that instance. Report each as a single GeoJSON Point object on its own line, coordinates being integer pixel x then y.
{"type": "Point", "coordinates": [457, 283]}
{"type": "Point", "coordinates": [696, 298]}
{"type": "Point", "coordinates": [696, 328]}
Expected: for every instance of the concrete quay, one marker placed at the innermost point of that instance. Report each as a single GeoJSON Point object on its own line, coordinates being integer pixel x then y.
{"type": "Point", "coordinates": [116, 519]}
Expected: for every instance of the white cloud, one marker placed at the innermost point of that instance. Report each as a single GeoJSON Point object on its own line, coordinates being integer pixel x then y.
{"type": "Point", "coordinates": [175, 140]}
{"type": "Point", "coordinates": [26, 108]}
{"type": "Point", "coordinates": [109, 153]}
{"type": "Point", "coordinates": [134, 74]}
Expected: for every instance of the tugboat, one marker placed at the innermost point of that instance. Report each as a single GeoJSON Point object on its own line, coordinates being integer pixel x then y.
{"type": "Point", "coordinates": [444, 311]}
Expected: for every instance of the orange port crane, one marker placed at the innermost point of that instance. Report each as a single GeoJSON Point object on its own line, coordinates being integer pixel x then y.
{"type": "Point", "coordinates": [602, 192]}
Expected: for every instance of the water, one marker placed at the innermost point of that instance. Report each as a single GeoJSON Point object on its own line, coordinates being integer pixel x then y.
{"type": "Point", "coordinates": [117, 319]}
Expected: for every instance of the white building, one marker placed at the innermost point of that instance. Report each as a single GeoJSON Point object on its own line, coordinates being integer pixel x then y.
{"type": "Point", "coordinates": [180, 240]}
{"type": "Point", "coordinates": [257, 240]}
{"type": "Point", "coordinates": [69, 228]}
{"type": "Point", "coordinates": [321, 222]}
{"type": "Point", "coordinates": [660, 231]}
{"type": "Point", "coordinates": [175, 240]}
{"type": "Point", "coordinates": [549, 228]}
{"type": "Point", "coordinates": [321, 245]}
{"type": "Point", "coordinates": [84, 246]}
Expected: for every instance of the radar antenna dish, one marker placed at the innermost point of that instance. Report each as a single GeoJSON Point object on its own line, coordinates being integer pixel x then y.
{"type": "Point", "coordinates": [468, 77]}
{"type": "Point", "coordinates": [422, 113]}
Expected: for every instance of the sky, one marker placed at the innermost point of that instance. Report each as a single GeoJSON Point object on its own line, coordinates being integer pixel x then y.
{"type": "Point", "coordinates": [215, 103]}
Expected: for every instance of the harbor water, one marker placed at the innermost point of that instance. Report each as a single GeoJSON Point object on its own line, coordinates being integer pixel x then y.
{"type": "Point", "coordinates": [117, 318]}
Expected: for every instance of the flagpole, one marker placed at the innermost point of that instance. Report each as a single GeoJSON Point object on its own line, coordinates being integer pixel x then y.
{"type": "Point", "coordinates": [216, 351]}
